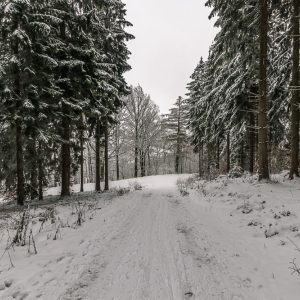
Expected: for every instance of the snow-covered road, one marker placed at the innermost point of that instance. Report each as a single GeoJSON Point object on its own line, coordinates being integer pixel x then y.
{"type": "Point", "coordinates": [152, 244]}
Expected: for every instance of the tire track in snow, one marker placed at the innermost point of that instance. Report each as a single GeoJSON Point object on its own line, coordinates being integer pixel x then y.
{"type": "Point", "coordinates": [146, 263]}
{"type": "Point", "coordinates": [204, 269]}
{"type": "Point", "coordinates": [157, 250]}
{"type": "Point", "coordinates": [77, 273]}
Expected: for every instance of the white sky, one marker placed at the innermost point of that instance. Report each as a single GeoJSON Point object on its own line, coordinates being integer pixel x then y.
{"type": "Point", "coordinates": [170, 38]}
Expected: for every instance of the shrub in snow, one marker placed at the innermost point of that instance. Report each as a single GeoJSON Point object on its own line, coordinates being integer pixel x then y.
{"type": "Point", "coordinates": [286, 213]}
{"type": "Point", "coordinates": [191, 181]}
{"type": "Point", "coordinates": [236, 172]}
{"type": "Point", "coordinates": [294, 228]}
{"type": "Point", "coordinates": [247, 210]}
{"type": "Point", "coordinates": [294, 266]}
{"type": "Point", "coordinates": [271, 232]}
{"type": "Point", "coordinates": [254, 223]}
{"type": "Point", "coordinates": [182, 185]}
{"type": "Point", "coordinates": [184, 193]}
{"type": "Point", "coordinates": [120, 191]}
{"type": "Point", "coordinates": [135, 185]}
{"type": "Point", "coordinates": [79, 211]}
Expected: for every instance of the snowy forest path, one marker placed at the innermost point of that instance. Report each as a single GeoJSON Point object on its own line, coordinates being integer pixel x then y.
{"type": "Point", "coordinates": [153, 246]}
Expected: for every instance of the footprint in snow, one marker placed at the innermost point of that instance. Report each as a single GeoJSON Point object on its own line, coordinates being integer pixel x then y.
{"type": "Point", "coordinates": [188, 295]}
{"type": "Point", "coordinates": [6, 284]}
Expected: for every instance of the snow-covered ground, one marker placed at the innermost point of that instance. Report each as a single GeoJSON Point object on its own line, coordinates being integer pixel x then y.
{"type": "Point", "coordinates": [155, 243]}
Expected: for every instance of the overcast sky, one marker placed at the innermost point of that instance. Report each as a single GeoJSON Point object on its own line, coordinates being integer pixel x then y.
{"type": "Point", "coordinates": [170, 38]}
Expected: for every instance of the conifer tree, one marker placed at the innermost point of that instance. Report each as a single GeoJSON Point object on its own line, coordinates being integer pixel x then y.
{"type": "Point", "coordinates": [295, 94]}
{"type": "Point", "coordinates": [263, 106]}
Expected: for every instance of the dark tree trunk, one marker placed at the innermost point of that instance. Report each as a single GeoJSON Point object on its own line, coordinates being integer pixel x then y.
{"type": "Point", "coordinates": [98, 160]}
{"type": "Point", "coordinates": [81, 161]}
{"type": "Point", "coordinates": [208, 157]}
{"type": "Point", "coordinates": [20, 186]}
{"type": "Point", "coordinates": [90, 166]}
{"type": "Point", "coordinates": [117, 166]}
{"type": "Point", "coordinates": [295, 94]}
{"type": "Point", "coordinates": [148, 173]}
{"type": "Point", "coordinates": [251, 129]}
{"type": "Point", "coordinates": [117, 153]}
{"type": "Point", "coordinates": [66, 151]}
{"type": "Point", "coordinates": [181, 163]}
{"type": "Point", "coordinates": [200, 146]}
{"type": "Point", "coordinates": [149, 163]}
{"type": "Point", "coordinates": [136, 153]}
{"type": "Point", "coordinates": [106, 186]}
{"type": "Point", "coordinates": [40, 172]}
{"type": "Point", "coordinates": [142, 163]}
{"type": "Point", "coordinates": [242, 155]}
{"type": "Point", "coordinates": [33, 169]}
{"type": "Point", "coordinates": [228, 153]}
{"type": "Point", "coordinates": [218, 154]}
{"type": "Point", "coordinates": [66, 156]}
{"type": "Point", "coordinates": [19, 144]}
{"type": "Point", "coordinates": [263, 105]}
{"type": "Point", "coordinates": [177, 157]}
{"type": "Point", "coordinates": [102, 171]}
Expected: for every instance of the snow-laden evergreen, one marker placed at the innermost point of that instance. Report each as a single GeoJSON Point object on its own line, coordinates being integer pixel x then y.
{"type": "Point", "coordinates": [62, 67]}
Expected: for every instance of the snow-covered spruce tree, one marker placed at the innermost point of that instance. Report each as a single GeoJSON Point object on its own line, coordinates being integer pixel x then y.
{"type": "Point", "coordinates": [174, 125]}
{"type": "Point", "coordinates": [22, 80]}
{"type": "Point", "coordinates": [225, 89]}
{"type": "Point", "coordinates": [295, 93]}
{"type": "Point", "coordinates": [195, 88]}
{"type": "Point", "coordinates": [70, 75]}
{"type": "Point", "coordinates": [263, 104]}
{"type": "Point", "coordinates": [230, 92]}
{"type": "Point", "coordinates": [107, 33]}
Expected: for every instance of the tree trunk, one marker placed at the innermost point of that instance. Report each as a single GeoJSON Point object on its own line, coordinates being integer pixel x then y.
{"type": "Point", "coordinates": [106, 186]}
{"type": "Point", "coordinates": [117, 153]}
{"type": "Point", "coordinates": [208, 157]}
{"type": "Point", "coordinates": [33, 170]}
{"type": "Point", "coordinates": [177, 156]}
{"type": "Point", "coordinates": [295, 94]}
{"type": "Point", "coordinates": [218, 154]}
{"type": "Point", "coordinates": [251, 131]}
{"type": "Point", "coordinates": [40, 172]}
{"type": "Point", "coordinates": [200, 146]}
{"type": "Point", "coordinates": [136, 153]}
{"type": "Point", "coordinates": [90, 166]}
{"type": "Point", "coordinates": [149, 163]}
{"type": "Point", "coordinates": [20, 186]}
{"type": "Point", "coordinates": [262, 106]}
{"type": "Point", "coordinates": [242, 155]}
{"type": "Point", "coordinates": [117, 166]}
{"type": "Point", "coordinates": [102, 175]}
{"type": "Point", "coordinates": [142, 163]}
{"type": "Point", "coordinates": [228, 153]}
{"type": "Point", "coordinates": [81, 161]}
{"type": "Point", "coordinates": [19, 144]}
{"type": "Point", "coordinates": [66, 153]}
{"type": "Point", "coordinates": [98, 161]}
